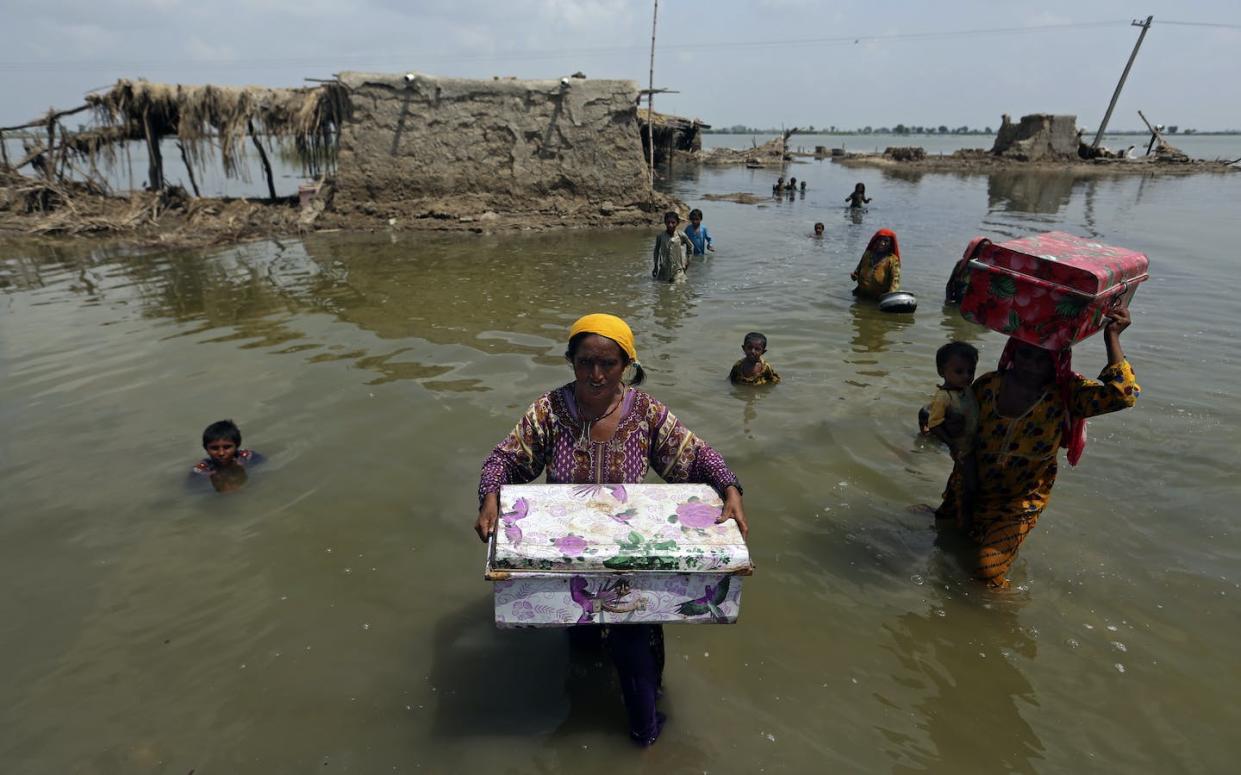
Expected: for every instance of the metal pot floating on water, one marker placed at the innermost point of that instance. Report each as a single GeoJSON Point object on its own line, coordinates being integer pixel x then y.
{"type": "Point", "coordinates": [898, 301]}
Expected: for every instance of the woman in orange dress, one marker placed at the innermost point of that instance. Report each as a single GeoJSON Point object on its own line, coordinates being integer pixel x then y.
{"type": "Point", "coordinates": [1029, 408]}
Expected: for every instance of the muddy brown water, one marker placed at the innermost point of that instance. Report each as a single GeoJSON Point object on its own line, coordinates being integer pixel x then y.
{"type": "Point", "coordinates": [332, 617]}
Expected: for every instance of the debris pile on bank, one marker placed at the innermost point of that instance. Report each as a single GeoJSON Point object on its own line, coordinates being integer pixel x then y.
{"type": "Point", "coordinates": [905, 153]}
{"type": "Point", "coordinates": [773, 153]}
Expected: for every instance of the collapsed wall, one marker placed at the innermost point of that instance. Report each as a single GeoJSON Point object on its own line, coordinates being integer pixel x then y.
{"type": "Point", "coordinates": [422, 146]}
{"type": "Point", "coordinates": [1038, 137]}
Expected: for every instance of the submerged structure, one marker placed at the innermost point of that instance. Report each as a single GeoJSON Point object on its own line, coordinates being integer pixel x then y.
{"type": "Point", "coordinates": [413, 150]}
{"type": "Point", "coordinates": [1038, 137]}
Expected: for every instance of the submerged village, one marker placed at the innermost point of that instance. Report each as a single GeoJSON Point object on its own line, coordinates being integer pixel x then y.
{"type": "Point", "coordinates": [400, 422]}
{"type": "Point", "coordinates": [415, 151]}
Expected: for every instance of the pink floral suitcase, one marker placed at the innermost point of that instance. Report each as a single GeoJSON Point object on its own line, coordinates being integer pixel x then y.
{"type": "Point", "coordinates": [566, 555]}
{"type": "Point", "coordinates": [1051, 290]}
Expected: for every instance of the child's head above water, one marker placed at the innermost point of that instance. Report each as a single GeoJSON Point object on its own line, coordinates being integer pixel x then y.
{"type": "Point", "coordinates": [222, 439]}
{"type": "Point", "coordinates": [754, 345]}
{"type": "Point", "coordinates": [860, 188]}
{"type": "Point", "coordinates": [956, 362]}
{"type": "Point", "coordinates": [818, 229]}
{"type": "Point", "coordinates": [695, 217]}
{"type": "Point", "coordinates": [671, 219]}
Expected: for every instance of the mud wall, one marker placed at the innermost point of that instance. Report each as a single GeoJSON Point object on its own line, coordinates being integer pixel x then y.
{"type": "Point", "coordinates": [466, 146]}
{"type": "Point", "coordinates": [1037, 137]}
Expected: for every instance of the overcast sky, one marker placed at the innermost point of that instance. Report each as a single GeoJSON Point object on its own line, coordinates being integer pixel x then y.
{"type": "Point", "coordinates": [760, 63]}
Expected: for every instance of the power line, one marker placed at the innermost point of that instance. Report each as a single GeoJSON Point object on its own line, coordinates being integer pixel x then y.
{"type": "Point", "coordinates": [534, 54]}
{"type": "Point", "coordinates": [933, 35]}
{"type": "Point", "coordinates": [1201, 24]}
{"type": "Point", "coordinates": [547, 54]}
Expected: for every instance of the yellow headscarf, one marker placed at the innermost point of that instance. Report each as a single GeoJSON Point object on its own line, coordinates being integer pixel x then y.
{"type": "Point", "coordinates": [610, 326]}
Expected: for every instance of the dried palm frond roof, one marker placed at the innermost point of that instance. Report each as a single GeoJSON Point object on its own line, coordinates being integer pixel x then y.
{"type": "Point", "coordinates": [667, 120]}
{"type": "Point", "coordinates": [307, 118]}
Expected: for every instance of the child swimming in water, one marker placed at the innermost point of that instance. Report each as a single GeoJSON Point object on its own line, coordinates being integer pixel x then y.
{"type": "Point", "coordinates": [858, 197]}
{"type": "Point", "coordinates": [952, 415]}
{"type": "Point", "coordinates": [752, 369]}
{"type": "Point", "coordinates": [226, 462]}
{"type": "Point", "coordinates": [818, 229]}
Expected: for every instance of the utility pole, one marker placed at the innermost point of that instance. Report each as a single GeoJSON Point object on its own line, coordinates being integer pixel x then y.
{"type": "Point", "coordinates": [1146, 25]}
{"type": "Point", "coordinates": [650, 101]}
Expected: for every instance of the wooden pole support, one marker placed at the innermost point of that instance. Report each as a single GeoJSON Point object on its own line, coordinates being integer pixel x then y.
{"type": "Point", "coordinates": [189, 169]}
{"type": "Point", "coordinates": [271, 186]}
{"type": "Point", "coordinates": [650, 103]}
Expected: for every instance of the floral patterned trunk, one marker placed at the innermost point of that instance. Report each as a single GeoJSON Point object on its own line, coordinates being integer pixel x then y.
{"type": "Point", "coordinates": [567, 554]}
{"type": "Point", "coordinates": [1051, 290]}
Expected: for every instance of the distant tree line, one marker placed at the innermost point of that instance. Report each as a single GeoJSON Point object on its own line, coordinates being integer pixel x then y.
{"type": "Point", "coordinates": [899, 129]}
{"type": "Point", "coordinates": [902, 129]}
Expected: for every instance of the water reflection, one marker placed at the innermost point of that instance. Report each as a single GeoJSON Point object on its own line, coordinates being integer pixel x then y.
{"type": "Point", "coordinates": [750, 396]}
{"type": "Point", "coordinates": [673, 305]}
{"type": "Point", "coordinates": [873, 330]}
{"type": "Point", "coordinates": [973, 689]}
{"type": "Point", "coordinates": [1029, 193]}
{"type": "Point", "coordinates": [518, 676]}
{"type": "Point", "coordinates": [229, 479]}
{"type": "Point", "coordinates": [957, 328]}
{"type": "Point", "coordinates": [259, 294]}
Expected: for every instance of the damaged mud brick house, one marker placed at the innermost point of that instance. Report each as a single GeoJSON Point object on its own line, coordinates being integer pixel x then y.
{"type": "Point", "coordinates": [450, 147]}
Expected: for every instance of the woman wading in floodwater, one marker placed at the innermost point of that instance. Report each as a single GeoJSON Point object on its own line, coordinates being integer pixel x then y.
{"type": "Point", "coordinates": [1027, 409]}
{"type": "Point", "coordinates": [879, 270]}
{"type": "Point", "coordinates": [598, 430]}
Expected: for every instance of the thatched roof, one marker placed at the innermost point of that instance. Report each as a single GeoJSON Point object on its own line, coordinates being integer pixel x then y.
{"type": "Point", "coordinates": [669, 121]}
{"type": "Point", "coordinates": [308, 119]}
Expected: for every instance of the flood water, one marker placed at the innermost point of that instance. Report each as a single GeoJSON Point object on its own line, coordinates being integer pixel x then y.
{"type": "Point", "coordinates": [332, 616]}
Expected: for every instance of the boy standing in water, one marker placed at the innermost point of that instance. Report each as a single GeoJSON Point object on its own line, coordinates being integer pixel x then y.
{"type": "Point", "coordinates": [952, 416]}
{"type": "Point", "coordinates": [752, 369]}
{"type": "Point", "coordinates": [226, 462]}
{"type": "Point", "coordinates": [858, 197]}
{"type": "Point", "coordinates": [698, 235]}
{"type": "Point", "coordinates": [670, 251]}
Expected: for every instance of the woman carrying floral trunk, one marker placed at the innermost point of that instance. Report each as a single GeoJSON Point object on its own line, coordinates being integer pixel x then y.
{"type": "Point", "coordinates": [598, 430]}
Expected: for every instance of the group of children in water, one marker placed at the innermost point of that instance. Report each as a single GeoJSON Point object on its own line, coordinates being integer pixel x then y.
{"type": "Point", "coordinates": [952, 413]}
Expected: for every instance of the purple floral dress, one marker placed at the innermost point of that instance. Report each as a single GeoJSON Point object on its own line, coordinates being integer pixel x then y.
{"type": "Point", "coordinates": [552, 436]}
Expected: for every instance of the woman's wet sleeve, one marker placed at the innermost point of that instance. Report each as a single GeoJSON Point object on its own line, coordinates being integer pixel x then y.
{"type": "Point", "coordinates": [678, 456]}
{"type": "Point", "coordinates": [1117, 388]}
{"type": "Point", "coordinates": [518, 459]}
